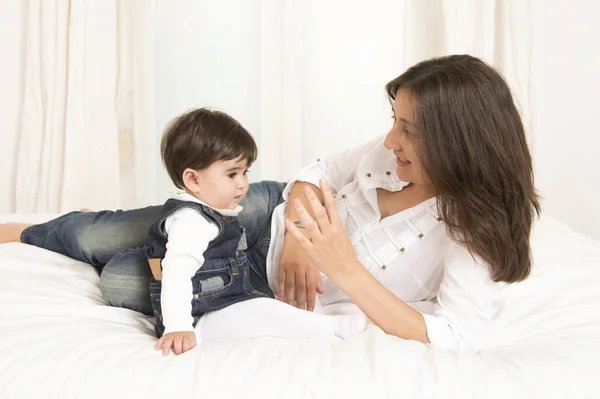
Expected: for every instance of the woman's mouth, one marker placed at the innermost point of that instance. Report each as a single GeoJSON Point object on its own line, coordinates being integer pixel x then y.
{"type": "Point", "coordinates": [402, 162]}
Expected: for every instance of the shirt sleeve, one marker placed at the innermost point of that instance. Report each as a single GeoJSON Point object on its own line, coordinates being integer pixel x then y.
{"type": "Point", "coordinates": [468, 303]}
{"type": "Point", "coordinates": [338, 169]}
{"type": "Point", "coordinates": [188, 235]}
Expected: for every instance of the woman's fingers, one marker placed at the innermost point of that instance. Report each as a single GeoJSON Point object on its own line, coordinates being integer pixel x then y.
{"type": "Point", "coordinates": [318, 210]}
{"type": "Point", "coordinates": [309, 223]}
{"type": "Point", "coordinates": [330, 205]}
{"type": "Point", "coordinates": [300, 289]}
{"type": "Point", "coordinates": [295, 232]}
{"type": "Point", "coordinates": [281, 288]}
{"type": "Point", "coordinates": [311, 289]}
{"type": "Point", "coordinates": [290, 286]}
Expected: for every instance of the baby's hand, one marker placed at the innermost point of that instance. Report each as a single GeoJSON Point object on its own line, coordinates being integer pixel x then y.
{"type": "Point", "coordinates": [181, 341]}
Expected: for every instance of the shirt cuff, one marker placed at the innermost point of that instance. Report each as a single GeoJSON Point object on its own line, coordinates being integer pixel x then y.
{"type": "Point", "coordinates": [441, 334]}
{"type": "Point", "coordinates": [313, 173]}
{"type": "Point", "coordinates": [187, 328]}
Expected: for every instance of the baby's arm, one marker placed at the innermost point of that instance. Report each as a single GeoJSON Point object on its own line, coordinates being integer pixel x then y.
{"type": "Point", "coordinates": [189, 234]}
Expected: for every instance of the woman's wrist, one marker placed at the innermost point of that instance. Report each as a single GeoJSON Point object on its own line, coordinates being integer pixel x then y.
{"type": "Point", "coordinates": [347, 277]}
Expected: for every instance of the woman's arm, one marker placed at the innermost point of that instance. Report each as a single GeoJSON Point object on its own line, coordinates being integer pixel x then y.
{"type": "Point", "coordinates": [380, 305]}
{"type": "Point", "coordinates": [299, 280]}
{"type": "Point", "coordinates": [468, 299]}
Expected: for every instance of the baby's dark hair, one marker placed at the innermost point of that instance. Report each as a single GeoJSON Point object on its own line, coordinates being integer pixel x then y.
{"type": "Point", "coordinates": [200, 137]}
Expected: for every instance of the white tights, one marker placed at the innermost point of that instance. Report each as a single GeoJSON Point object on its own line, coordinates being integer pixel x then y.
{"type": "Point", "coordinates": [265, 317]}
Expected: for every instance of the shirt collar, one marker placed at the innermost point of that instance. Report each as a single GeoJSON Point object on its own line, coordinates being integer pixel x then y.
{"type": "Point", "coordinates": [183, 196]}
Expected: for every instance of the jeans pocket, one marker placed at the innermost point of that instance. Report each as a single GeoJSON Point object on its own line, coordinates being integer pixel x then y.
{"type": "Point", "coordinates": [208, 283]}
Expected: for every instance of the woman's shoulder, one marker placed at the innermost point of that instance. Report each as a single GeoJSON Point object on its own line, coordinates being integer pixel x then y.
{"type": "Point", "coordinates": [459, 258]}
{"type": "Point", "coordinates": [376, 160]}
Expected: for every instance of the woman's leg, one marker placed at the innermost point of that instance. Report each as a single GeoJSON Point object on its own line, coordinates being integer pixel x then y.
{"type": "Point", "coordinates": [124, 281]}
{"type": "Point", "coordinates": [93, 237]}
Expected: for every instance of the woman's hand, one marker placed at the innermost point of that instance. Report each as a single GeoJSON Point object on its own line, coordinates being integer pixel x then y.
{"type": "Point", "coordinates": [181, 341]}
{"type": "Point", "coordinates": [327, 245]}
{"type": "Point", "coordinates": [299, 280]}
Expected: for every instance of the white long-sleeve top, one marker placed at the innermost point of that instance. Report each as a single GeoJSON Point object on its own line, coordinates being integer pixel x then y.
{"type": "Point", "coordinates": [410, 252]}
{"type": "Point", "coordinates": [188, 236]}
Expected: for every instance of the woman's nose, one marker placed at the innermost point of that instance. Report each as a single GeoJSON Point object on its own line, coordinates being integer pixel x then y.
{"type": "Point", "coordinates": [392, 140]}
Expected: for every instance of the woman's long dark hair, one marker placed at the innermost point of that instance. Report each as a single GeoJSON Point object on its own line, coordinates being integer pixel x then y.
{"type": "Point", "coordinates": [474, 151]}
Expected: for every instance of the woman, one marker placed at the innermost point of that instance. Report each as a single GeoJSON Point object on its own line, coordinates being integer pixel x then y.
{"type": "Point", "coordinates": [442, 207]}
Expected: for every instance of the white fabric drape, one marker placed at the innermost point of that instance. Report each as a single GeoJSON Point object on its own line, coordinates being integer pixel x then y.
{"type": "Point", "coordinates": [81, 101]}
{"type": "Point", "coordinates": [102, 78]}
{"type": "Point", "coordinates": [307, 77]}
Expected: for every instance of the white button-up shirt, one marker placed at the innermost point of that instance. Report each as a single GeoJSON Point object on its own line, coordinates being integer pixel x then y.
{"type": "Point", "coordinates": [410, 252]}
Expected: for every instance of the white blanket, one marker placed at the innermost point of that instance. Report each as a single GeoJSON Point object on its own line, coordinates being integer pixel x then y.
{"type": "Point", "coordinates": [59, 340]}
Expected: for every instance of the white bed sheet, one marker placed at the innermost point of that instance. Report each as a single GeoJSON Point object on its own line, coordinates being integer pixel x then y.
{"type": "Point", "coordinates": [59, 340]}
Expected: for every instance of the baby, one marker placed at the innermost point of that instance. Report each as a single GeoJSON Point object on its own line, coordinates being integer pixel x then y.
{"type": "Point", "coordinates": [196, 248]}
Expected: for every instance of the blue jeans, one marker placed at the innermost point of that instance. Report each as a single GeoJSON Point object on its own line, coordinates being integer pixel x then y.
{"type": "Point", "coordinates": [109, 240]}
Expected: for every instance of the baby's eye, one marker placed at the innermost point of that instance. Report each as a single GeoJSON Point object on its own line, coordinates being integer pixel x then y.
{"type": "Point", "coordinates": [246, 172]}
{"type": "Point", "coordinates": [232, 175]}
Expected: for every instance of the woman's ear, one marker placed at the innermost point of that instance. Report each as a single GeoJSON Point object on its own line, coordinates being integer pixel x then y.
{"type": "Point", "coordinates": [191, 180]}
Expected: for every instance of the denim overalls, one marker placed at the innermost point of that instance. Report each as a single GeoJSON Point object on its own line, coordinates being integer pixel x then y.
{"type": "Point", "coordinates": [227, 276]}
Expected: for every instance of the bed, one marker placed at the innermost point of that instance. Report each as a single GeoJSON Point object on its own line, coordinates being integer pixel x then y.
{"type": "Point", "coordinates": [59, 340]}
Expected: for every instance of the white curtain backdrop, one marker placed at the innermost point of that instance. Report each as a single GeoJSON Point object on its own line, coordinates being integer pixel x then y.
{"type": "Point", "coordinates": [88, 85]}
{"type": "Point", "coordinates": [102, 78]}
{"type": "Point", "coordinates": [88, 89]}
{"type": "Point", "coordinates": [307, 77]}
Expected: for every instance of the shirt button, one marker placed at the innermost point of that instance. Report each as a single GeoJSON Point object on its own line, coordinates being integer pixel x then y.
{"type": "Point", "coordinates": [388, 173]}
{"type": "Point", "coordinates": [343, 195]}
{"type": "Point", "coordinates": [421, 235]}
{"type": "Point", "coordinates": [383, 267]}
{"type": "Point", "coordinates": [318, 159]}
{"type": "Point", "coordinates": [439, 219]}
{"type": "Point", "coordinates": [402, 249]}
{"type": "Point", "coordinates": [368, 175]}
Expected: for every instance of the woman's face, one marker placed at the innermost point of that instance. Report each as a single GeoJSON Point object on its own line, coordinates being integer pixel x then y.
{"type": "Point", "coordinates": [401, 139]}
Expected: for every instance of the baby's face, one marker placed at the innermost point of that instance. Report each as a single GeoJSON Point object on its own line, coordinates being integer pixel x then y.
{"type": "Point", "coordinates": [224, 183]}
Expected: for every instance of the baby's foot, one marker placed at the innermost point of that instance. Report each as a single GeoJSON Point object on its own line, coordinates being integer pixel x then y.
{"type": "Point", "coordinates": [347, 326]}
{"type": "Point", "coordinates": [11, 232]}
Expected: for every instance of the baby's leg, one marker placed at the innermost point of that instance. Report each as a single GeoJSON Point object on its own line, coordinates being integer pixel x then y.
{"type": "Point", "coordinates": [11, 232]}
{"type": "Point", "coordinates": [93, 237]}
{"type": "Point", "coordinates": [266, 317]}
